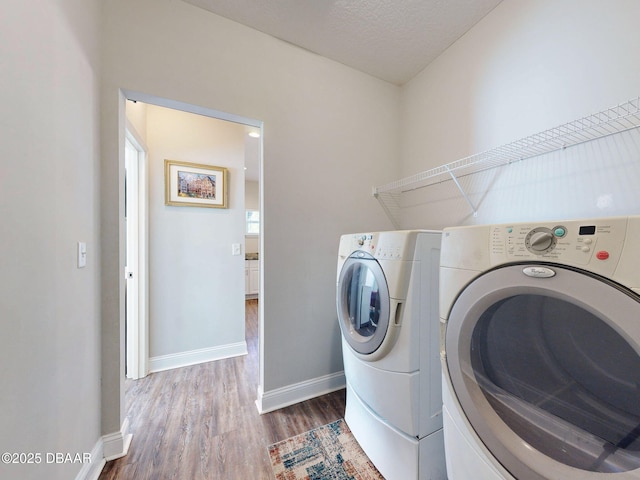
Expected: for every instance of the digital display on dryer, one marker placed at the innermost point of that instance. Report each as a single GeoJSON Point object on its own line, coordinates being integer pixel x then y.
{"type": "Point", "coordinates": [588, 230]}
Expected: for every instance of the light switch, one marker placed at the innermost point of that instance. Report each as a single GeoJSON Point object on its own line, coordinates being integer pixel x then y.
{"type": "Point", "coordinates": [235, 249]}
{"type": "Point", "coordinates": [82, 254]}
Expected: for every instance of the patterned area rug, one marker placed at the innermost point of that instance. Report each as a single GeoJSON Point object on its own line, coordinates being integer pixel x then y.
{"type": "Point", "coordinates": [325, 453]}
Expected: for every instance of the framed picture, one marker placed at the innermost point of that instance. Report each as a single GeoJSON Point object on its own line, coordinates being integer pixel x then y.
{"type": "Point", "coordinates": [195, 185]}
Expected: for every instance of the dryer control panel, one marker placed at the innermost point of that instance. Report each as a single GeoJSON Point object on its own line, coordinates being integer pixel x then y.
{"type": "Point", "coordinates": [605, 246]}
{"type": "Point", "coordinates": [592, 242]}
{"type": "Point", "coordinates": [392, 245]}
{"type": "Point", "coordinates": [365, 242]}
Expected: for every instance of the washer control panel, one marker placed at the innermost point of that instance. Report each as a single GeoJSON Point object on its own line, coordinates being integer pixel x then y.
{"type": "Point", "coordinates": [392, 245]}
{"type": "Point", "coordinates": [384, 245]}
{"type": "Point", "coordinates": [605, 246]}
{"type": "Point", "coordinates": [572, 242]}
{"type": "Point", "coordinates": [365, 242]}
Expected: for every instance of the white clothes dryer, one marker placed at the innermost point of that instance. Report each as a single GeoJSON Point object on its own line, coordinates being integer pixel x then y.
{"type": "Point", "coordinates": [541, 350]}
{"type": "Point", "coordinates": [387, 301]}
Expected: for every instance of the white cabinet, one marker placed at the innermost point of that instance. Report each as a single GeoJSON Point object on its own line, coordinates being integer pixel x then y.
{"type": "Point", "coordinates": [251, 277]}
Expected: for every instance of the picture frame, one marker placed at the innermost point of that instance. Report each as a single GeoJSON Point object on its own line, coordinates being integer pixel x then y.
{"type": "Point", "coordinates": [195, 185]}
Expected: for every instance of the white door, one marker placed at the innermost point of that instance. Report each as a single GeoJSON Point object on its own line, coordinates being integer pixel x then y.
{"type": "Point", "coordinates": [363, 303]}
{"type": "Point", "coordinates": [135, 269]}
{"type": "Point", "coordinates": [547, 371]}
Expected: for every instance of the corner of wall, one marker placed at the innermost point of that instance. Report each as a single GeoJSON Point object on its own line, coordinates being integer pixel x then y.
{"type": "Point", "coordinates": [108, 447]}
{"type": "Point", "coordinates": [299, 392]}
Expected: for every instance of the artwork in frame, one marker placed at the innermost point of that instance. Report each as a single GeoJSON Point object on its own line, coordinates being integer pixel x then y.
{"type": "Point", "coordinates": [195, 185]}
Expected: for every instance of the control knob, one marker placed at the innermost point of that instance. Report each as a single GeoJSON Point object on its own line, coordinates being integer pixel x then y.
{"type": "Point", "coordinates": [540, 241]}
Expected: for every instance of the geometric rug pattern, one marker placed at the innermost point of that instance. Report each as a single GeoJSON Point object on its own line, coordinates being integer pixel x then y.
{"type": "Point", "coordinates": [325, 453]}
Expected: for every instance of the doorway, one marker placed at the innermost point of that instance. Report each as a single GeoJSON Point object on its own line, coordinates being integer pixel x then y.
{"type": "Point", "coordinates": [147, 360]}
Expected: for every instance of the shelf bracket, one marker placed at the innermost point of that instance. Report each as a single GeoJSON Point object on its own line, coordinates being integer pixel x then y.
{"type": "Point", "coordinates": [464, 194]}
{"type": "Point", "coordinates": [390, 205]}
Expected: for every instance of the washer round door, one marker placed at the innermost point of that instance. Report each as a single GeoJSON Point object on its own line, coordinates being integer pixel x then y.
{"type": "Point", "coordinates": [547, 371]}
{"type": "Point", "coordinates": [363, 303]}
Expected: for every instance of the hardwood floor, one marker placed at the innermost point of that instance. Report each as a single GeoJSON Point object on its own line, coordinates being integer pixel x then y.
{"type": "Point", "coordinates": [201, 422]}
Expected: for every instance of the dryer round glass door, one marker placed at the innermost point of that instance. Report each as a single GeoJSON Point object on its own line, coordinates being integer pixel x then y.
{"type": "Point", "coordinates": [363, 303]}
{"type": "Point", "coordinates": [547, 371]}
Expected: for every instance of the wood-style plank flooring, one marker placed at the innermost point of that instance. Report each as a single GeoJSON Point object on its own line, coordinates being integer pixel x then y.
{"type": "Point", "coordinates": [201, 422]}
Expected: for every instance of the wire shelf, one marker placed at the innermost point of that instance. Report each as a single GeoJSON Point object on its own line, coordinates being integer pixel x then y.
{"type": "Point", "coordinates": [614, 120]}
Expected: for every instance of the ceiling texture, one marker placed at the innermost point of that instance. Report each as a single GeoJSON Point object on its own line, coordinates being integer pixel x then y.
{"type": "Point", "coordinates": [390, 39]}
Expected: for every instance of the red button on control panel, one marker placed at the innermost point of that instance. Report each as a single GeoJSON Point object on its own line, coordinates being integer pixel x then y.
{"type": "Point", "coordinates": [602, 255]}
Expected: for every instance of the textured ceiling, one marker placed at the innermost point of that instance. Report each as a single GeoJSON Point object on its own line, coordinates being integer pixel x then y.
{"type": "Point", "coordinates": [389, 39]}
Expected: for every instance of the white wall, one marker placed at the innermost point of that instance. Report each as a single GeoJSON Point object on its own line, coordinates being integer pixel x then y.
{"type": "Point", "coordinates": [252, 202]}
{"type": "Point", "coordinates": [136, 113]}
{"type": "Point", "coordinates": [252, 195]}
{"type": "Point", "coordinates": [196, 287]}
{"type": "Point", "coordinates": [49, 309]}
{"type": "Point", "coordinates": [528, 66]}
{"type": "Point", "coordinates": [330, 134]}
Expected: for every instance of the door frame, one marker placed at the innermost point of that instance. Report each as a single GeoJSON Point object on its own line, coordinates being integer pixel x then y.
{"type": "Point", "coordinates": [143, 332]}
{"type": "Point", "coordinates": [137, 298]}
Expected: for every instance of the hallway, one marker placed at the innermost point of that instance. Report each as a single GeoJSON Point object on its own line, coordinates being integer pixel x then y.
{"type": "Point", "coordinates": [201, 422]}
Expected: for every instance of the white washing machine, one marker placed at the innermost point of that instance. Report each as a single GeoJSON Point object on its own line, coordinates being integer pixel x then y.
{"type": "Point", "coordinates": [387, 301]}
{"type": "Point", "coordinates": [541, 350]}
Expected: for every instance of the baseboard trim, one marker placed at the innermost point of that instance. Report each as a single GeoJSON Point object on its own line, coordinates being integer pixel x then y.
{"type": "Point", "coordinates": [108, 447]}
{"type": "Point", "coordinates": [116, 445]}
{"type": "Point", "coordinates": [93, 469]}
{"type": "Point", "coordinates": [193, 357]}
{"type": "Point", "coordinates": [299, 392]}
